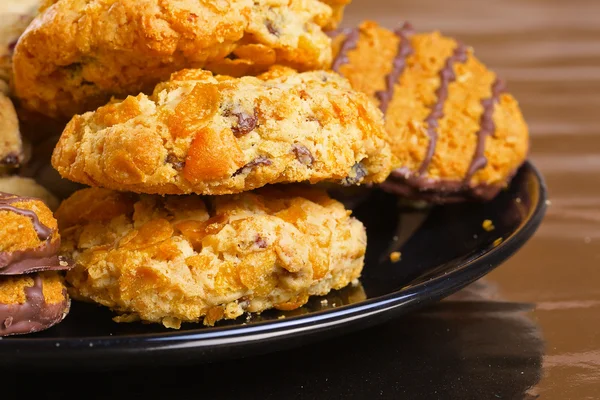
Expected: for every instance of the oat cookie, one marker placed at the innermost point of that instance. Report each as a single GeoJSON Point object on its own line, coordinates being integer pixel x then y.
{"type": "Point", "coordinates": [29, 239]}
{"type": "Point", "coordinates": [202, 134]}
{"type": "Point", "coordinates": [11, 144]}
{"type": "Point", "coordinates": [15, 16]}
{"type": "Point", "coordinates": [32, 303]}
{"type": "Point", "coordinates": [28, 187]}
{"type": "Point", "coordinates": [173, 259]}
{"type": "Point", "coordinates": [78, 53]}
{"type": "Point", "coordinates": [457, 133]}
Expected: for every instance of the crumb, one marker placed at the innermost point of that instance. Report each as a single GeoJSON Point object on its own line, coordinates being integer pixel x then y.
{"type": "Point", "coordinates": [281, 317]}
{"type": "Point", "coordinates": [518, 199]}
{"type": "Point", "coordinates": [548, 203]}
{"type": "Point", "coordinates": [324, 302]}
{"type": "Point", "coordinates": [498, 241]}
{"type": "Point", "coordinates": [395, 256]}
{"type": "Point", "coordinates": [488, 225]}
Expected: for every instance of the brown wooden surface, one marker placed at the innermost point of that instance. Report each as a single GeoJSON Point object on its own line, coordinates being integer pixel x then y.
{"type": "Point", "coordinates": [549, 52]}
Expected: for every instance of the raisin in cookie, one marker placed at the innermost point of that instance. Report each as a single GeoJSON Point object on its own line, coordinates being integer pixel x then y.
{"type": "Point", "coordinates": [202, 134]}
{"type": "Point", "coordinates": [29, 239]}
{"type": "Point", "coordinates": [32, 303]}
{"type": "Point", "coordinates": [78, 53]}
{"type": "Point", "coordinates": [173, 259]}
{"type": "Point", "coordinates": [456, 132]}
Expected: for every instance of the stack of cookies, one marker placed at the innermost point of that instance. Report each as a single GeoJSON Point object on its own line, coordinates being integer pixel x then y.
{"type": "Point", "coordinates": [32, 294]}
{"type": "Point", "coordinates": [206, 132]}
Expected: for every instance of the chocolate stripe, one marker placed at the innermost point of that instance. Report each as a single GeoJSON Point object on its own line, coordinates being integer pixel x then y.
{"type": "Point", "coordinates": [34, 315]}
{"type": "Point", "coordinates": [447, 76]}
{"type": "Point", "coordinates": [6, 200]}
{"type": "Point", "coordinates": [405, 50]}
{"type": "Point", "coordinates": [349, 43]}
{"type": "Point", "coordinates": [487, 129]}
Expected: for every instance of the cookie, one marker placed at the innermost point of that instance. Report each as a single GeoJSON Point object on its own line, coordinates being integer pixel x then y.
{"type": "Point", "coordinates": [11, 145]}
{"type": "Point", "coordinates": [29, 239]}
{"type": "Point", "coordinates": [77, 54]}
{"type": "Point", "coordinates": [28, 187]}
{"type": "Point", "coordinates": [337, 7]}
{"type": "Point", "coordinates": [173, 259]}
{"type": "Point", "coordinates": [456, 131]}
{"type": "Point", "coordinates": [202, 134]}
{"type": "Point", "coordinates": [32, 303]}
{"type": "Point", "coordinates": [15, 16]}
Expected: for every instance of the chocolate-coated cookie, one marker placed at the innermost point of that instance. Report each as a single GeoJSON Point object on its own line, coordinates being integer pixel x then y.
{"type": "Point", "coordinates": [456, 131]}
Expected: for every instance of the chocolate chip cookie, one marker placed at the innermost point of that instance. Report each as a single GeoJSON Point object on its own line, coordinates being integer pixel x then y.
{"type": "Point", "coordinates": [77, 54]}
{"type": "Point", "coordinates": [205, 134]}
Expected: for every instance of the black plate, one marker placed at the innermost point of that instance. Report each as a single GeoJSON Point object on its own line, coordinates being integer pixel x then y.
{"type": "Point", "coordinates": [443, 249]}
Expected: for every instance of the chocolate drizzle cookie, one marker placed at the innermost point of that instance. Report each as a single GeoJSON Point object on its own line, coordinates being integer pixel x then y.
{"type": "Point", "coordinates": [32, 303]}
{"type": "Point", "coordinates": [456, 132]}
{"type": "Point", "coordinates": [29, 239]}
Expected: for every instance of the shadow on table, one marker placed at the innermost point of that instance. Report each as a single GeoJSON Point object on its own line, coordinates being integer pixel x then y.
{"type": "Point", "coordinates": [467, 347]}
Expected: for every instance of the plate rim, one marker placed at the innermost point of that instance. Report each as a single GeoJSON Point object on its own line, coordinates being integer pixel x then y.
{"type": "Point", "coordinates": [203, 338]}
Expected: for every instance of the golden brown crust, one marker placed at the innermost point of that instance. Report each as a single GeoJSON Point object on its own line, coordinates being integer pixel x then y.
{"type": "Point", "coordinates": [186, 258]}
{"type": "Point", "coordinates": [369, 63]}
{"type": "Point", "coordinates": [218, 135]}
{"type": "Point", "coordinates": [78, 53]}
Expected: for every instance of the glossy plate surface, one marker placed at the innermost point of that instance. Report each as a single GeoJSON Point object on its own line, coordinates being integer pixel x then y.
{"type": "Point", "coordinates": [442, 250]}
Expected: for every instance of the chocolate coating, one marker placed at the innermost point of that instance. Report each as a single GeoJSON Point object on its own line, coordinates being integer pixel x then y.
{"type": "Point", "coordinates": [350, 43]}
{"type": "Point", "coordinates": [487, 129]}
{"type": "Point", "coordinates": [405, 49]}
{"type": "Point", "coordinates": [34, 315]}
{"type": "Point", "coordinates": [447, 76]}
{"type": "Point", "coordinates": [407, 184]}
{"type": "Point", "coordinates": [41, 258]}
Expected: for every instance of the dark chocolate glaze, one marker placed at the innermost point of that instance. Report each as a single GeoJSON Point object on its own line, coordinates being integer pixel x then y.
{"type": "Point", "coordinates": [406, 183]}
{"type": "Point", "coordinates": [41, 258]}
{"type": "Point", "coordinates": [35, 314]}
{"type": "Point", "coordinates": [350, 43]}
{"type": "Point", "coordinates": [487, 128]}
{"type": "Point", "coordinates": [447, 76]}
{"type": "Point", "coordinates": [405, 49]}
{"type": "Point", "coordinates": [7, 199]}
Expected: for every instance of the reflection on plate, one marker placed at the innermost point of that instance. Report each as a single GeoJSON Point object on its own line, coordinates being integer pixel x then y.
{"type": "Point", "coordinates": [443, 249]}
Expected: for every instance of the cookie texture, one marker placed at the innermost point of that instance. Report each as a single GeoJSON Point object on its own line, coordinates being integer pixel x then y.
{"type": "Point", "coordinates": [32, 303]}
{"type": "Point", "coordinates": [173, 259]}
{"type": "Point", "coordinates": [15, 16]}
{"type": "Point", "coordinates": [337, 8]}
{"type": "Point", "coordinates": [202, 134]}
{"type": "Point", "coordinates": [78, 53]}
{"type": "Point", "coordinates": [457, 134]}
{"type": "Point", "coordinates": [11, 144]}
{"type": "Point", "coordinates": [29, 238]}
